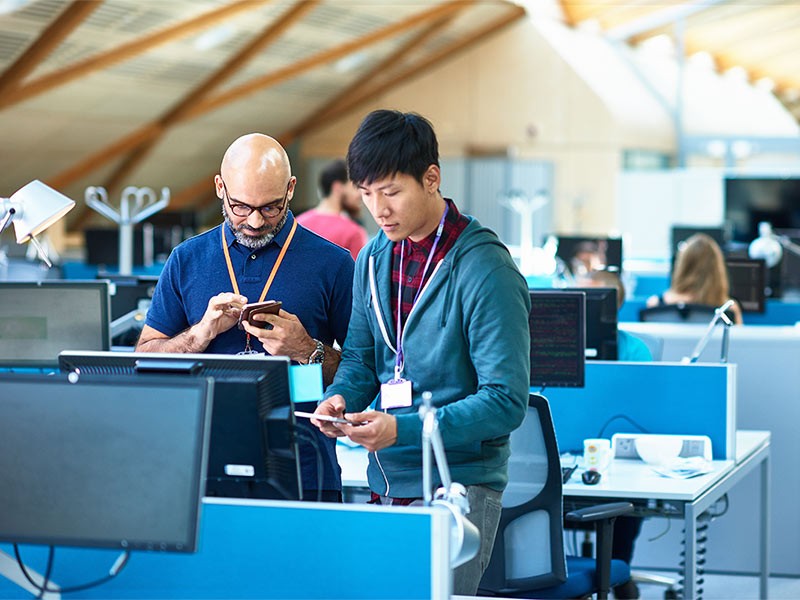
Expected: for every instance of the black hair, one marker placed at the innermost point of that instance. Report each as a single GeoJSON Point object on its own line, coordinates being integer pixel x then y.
{"type": "Point", "coordinates": [389, 142]}
{"type": "Point", "coordinates": [333, 172]}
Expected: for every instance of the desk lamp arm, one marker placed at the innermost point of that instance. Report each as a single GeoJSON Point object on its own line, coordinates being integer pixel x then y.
{"type": "Point", "coordinates": [719, 315]}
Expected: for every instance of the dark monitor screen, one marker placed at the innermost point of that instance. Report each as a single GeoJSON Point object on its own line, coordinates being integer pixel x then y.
{"type": "Point", "coordinates": [40, 319]}
{"type": "Point", "coordinates": [128, 292]}
{"type": "Point", "coordinates": [681, 233]}
{"type": "Point", "coordinates": [253, 452]}
{"type": "Point", "coordinates": [558, 338]}
{"type": "Point", "coordinates": [112, 462]}
{"type": "Point", "coordinates": [751, 200]}
{"type": "Point", "coordinates": [748, 282]}
{"type": "Point", "coordinates": [601, 322]}
{"type": "Point", "coordinates": [590, 253]}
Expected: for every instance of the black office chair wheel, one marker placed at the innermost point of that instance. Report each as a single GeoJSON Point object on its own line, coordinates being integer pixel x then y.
{"type": "Point", "coordinates": [670, 594]}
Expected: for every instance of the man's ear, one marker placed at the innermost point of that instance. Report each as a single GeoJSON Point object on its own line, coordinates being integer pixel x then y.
{"type": "Point", "coordinates": [218, 186]}
{"type": "Point", "coordinates": [432, 179]}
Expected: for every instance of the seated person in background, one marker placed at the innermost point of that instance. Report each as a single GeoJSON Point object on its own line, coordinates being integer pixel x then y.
{"type": "Point", "coordinates": [588, 257]}
{"type": "Point", "coordinates": [329, 219]}
{"type": "Point", "coordinates": [699, 277]}
{"type": "Point", "coordinates": [629, 347]}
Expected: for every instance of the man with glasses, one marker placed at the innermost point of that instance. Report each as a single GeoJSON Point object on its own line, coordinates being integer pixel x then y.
{"type": "Point", "coordinates": [258, 253]}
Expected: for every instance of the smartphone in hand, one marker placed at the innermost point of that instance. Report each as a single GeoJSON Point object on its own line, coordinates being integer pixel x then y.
{"type": "Point", "coordinates": [248, 310]}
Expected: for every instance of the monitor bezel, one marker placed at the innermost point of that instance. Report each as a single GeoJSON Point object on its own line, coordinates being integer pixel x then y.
{"type": "Point", "coordinates": [761, 267]}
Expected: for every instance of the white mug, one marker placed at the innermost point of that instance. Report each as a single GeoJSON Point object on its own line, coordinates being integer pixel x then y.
{"type": "Point", "coordinates": [596, 454]}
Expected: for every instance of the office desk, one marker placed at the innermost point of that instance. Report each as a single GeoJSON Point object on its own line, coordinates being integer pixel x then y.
{"type": "Point", "coordinates": [652, 494]}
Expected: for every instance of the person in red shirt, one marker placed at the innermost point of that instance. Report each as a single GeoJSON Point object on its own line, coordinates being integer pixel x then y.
{"type": "Point", "coordinates": [339, 198]}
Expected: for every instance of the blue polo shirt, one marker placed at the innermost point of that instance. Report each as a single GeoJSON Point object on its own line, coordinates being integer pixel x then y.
{"type": "Point", "coordinates": [314, 282]}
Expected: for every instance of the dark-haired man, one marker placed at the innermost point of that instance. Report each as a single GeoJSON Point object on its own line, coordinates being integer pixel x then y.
{"type": "Point", "coordinates": [258, 253]}
{"type": "Point", "coordinates": [439, 306]}
{"type": "Point", "coordinates": [339, 196]}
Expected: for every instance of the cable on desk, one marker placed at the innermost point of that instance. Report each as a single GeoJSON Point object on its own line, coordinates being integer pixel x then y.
{"type": "Point", "coordinates": [118, 565]}
{"type": "Point", "coordinates": [302, 434]}
{"type": "Point", "coordinates": [620, 417]}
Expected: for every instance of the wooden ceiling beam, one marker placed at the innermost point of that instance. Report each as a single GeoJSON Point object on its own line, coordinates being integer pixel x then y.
{"type": "Point", "coordinates": [138, 144]}
{"type": "Point", "coordinates": [321, 58]}
{"type": "Point", "coordinates": [125, 51]}
{"type": "Point", "coordinates": [442, 55]}
{"type": "Point", "coordinates": [55, 33]}
{"type": "Point", "coordinates": [380, 69]}
{"type": "Point", "coordinates": [234, 64]}
{"type": "Point", "coordinates": [433, 60]}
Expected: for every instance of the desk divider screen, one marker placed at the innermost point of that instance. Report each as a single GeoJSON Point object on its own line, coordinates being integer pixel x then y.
{"type": "Point", "coordinates": [275, 550]}
{"type": "Point", "coordinates": [698, 399]}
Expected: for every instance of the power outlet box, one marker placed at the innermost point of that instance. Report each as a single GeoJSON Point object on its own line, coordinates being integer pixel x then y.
{"type": "Point", "coordinates": [623, 445]}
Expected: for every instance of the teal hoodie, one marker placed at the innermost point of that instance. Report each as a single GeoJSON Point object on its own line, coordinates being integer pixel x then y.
{"type": "Point", "coordinates": [466, 341]}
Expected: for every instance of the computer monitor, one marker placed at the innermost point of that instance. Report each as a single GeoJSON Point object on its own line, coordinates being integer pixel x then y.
{"type": "Point", "coordinates": [590, 253]}
{"type": "Point", "coordinates": [751, 200]}
{"type": "Point", "coordinates": [681, 233]}
{"type": "Point", "coordinates": [748, 281]}
{"type": "Point", "coordinates": [253, 452]}
{"type": "Point", "coordinates": [111, 462]}
{"type": "Point", "coordinates": [39, 319]}
{"type": "Point", "coordinates": [601, 322]}
{"type": "Point", "coordinates": [558, 338]}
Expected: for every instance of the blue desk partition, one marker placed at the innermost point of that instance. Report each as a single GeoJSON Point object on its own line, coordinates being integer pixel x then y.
{"type": "Point", "coordinates": [696, 399]}
{"type": "Point", "coordinates": [777, 312]}
{"type": "Point", "coordinates": [265, 549]}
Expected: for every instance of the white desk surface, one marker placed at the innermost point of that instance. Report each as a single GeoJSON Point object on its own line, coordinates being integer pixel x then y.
{"type": "Point", "coordinates": [629, 478]}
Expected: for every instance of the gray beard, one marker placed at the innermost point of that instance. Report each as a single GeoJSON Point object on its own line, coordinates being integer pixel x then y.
{"type": "Point", "coordinates": [254, 242]}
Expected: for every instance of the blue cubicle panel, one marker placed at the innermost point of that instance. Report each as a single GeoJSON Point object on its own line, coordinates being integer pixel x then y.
{"type": "Point", "coordinates": [698, 399]}
{"type": "Point", "coordinates": [777, 312]}
{"type": "Point", "coordinates": [262, 549]}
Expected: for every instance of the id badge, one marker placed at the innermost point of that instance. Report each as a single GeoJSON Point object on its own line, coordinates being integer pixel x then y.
{"type": "Point", "coordinates": [396, 394]}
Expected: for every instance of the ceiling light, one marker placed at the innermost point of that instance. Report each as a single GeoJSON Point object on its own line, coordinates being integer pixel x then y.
{"type": "Point", "coordinates": [765, 84]}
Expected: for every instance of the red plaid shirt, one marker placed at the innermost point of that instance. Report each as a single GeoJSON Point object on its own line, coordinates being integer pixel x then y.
{"type": "Point", "coordinates": [417, 254]}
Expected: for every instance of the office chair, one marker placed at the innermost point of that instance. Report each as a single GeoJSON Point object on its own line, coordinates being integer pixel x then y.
{"type": "Point", "coordinates": [528, 559]}
{"type": "Point", "coordinates": [678, 313]}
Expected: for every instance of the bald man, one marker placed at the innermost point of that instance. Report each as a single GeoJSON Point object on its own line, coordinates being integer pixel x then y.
{"type": "Point", "coordinates": [258, 253]}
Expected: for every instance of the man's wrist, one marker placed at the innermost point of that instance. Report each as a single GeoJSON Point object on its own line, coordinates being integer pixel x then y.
{"type": "Point", "coordinates": [317, 354]}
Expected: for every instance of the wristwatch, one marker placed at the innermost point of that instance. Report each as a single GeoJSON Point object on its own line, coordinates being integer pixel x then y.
{"type": "Point", "coordinates": [318, 355]}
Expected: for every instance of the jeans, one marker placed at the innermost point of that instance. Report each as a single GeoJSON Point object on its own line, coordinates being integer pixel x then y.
{"type": "Point", "coordinates": [484, 513]}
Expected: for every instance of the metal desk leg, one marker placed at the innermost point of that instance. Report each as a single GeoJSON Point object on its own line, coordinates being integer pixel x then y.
{"type": "Point", "coordinates": [764, 579]}
{"type": "Point", "coordinates": [690, 551]}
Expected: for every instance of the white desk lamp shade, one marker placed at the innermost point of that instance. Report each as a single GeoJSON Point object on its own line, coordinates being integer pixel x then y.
{"type": "Point", "coordinates": [766, 246]}
{"type": "Point", "coordinates": [38, 206]}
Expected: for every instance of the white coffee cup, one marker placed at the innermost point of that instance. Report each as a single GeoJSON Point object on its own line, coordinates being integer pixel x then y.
{"type": "Point", "coordinates": [596, 454]}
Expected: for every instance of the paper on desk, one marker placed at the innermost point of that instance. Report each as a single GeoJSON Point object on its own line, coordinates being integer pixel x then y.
{"type": "Point", "coordinates": [684, 468]}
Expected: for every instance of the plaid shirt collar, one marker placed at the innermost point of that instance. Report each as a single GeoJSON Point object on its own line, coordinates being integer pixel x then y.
{"type": "Point", "coordinates": [416, 253]}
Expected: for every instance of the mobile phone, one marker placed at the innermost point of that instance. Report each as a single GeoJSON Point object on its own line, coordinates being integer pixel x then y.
{"type": "Point", "coordinates": [308, 415]}
{"type": "Point", "coordinates": [271, 307]}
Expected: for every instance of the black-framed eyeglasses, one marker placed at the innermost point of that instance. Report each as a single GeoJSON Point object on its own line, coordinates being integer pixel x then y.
{"type": "Point", "coordinates": [270, 211]}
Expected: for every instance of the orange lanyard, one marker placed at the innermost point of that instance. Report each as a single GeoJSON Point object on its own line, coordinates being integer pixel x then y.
{"type": "Point", "coordinates": [272, 274]}
{"type": "Point", "coordinates": [275, 267]}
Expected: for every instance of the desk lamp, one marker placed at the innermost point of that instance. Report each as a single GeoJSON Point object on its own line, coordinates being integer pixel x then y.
{"type": "Point", "coordinates": [465, 540]}
{"type": "Point", "coordinates": [33, 208]}
{"type": "Point", "coordinates": [770, 246]}
{"type": "Point", "coordinates": [719, 315]}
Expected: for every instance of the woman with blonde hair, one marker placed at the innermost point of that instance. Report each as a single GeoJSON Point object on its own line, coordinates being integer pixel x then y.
{"type": "Point", "coordinates": [699, 277]}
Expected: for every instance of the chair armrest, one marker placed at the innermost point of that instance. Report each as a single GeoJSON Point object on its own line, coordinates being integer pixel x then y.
{"type": "Point", "coordinates": [600, 511]}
